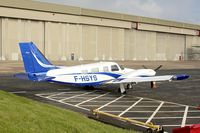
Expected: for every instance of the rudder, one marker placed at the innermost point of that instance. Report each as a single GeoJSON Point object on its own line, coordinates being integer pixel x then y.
{"type": "Point", "coordinates": [34, 60]}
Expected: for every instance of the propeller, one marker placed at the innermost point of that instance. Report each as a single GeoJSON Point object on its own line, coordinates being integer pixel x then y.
{"type": "Point", "coordinates": [156, 69]}
{"type": "Point", "coordinates": [144, 67]}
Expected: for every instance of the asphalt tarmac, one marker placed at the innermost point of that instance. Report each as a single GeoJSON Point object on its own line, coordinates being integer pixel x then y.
{"type": "Point", "coordinates": [171, 104]}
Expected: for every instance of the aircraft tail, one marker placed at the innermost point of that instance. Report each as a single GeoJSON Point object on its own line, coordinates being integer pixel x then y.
{"type": "Point", "coordinates": [34, 60]}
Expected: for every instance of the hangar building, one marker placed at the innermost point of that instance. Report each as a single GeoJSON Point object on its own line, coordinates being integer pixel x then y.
{"type": "Point", "coordinates": [65, 32]}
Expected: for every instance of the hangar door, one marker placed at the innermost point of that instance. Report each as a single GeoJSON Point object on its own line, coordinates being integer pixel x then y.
{"type": "Point", "coordinates": [169, 46]}
{"type": "Point", "coordinates": [18, 30]}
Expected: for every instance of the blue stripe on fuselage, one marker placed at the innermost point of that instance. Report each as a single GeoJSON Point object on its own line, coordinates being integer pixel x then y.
{"type": "Point", "coordinates": [94, 83]}
{"type": "Point", "coordinates": [114, 75]}
{"type": "Point", "coordinates": [80, 84]}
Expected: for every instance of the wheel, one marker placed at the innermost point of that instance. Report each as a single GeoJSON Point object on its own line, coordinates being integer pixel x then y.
{"type": "Point", "coordinates": [149, 130]}
{"type": "Point", "coordinates": [129, 86]}
{"type": "Point", "coordinates": [124, 92]}
{"type": "Point", "coordinates": [119, 91]}
{"type": "Point", "coordinates": [91, 87]}
{"type": "Point", "coordinates": [88, 87]}
{"type": "Point", "coordinates": [161, 130]}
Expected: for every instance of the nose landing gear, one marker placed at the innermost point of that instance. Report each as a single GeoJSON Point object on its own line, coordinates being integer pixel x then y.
{"type": "Point", "coordinates": [153, 85]}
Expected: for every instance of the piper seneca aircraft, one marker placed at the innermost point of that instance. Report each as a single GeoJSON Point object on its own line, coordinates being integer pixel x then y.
{"type": "Point", "coordinates": [38, 68]}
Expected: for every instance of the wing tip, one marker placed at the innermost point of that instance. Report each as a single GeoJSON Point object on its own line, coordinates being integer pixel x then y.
{"type": "Point", "coordinates": [180, 77]}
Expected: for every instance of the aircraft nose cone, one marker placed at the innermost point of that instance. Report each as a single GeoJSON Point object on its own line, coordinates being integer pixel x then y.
{"type": "Point", "coordinates": [152, 72]}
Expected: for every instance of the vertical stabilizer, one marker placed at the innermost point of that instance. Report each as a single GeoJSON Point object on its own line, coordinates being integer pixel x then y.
{"type": "Point", "coordinates": [34, 60]}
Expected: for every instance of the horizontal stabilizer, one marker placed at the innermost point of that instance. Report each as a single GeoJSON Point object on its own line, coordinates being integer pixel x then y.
{"type": "Point", "coordinates": [33, 76]}
{"type": "Point", "coordinates": [39, 77]}
{"type": "Point", "coordinates": [21, 76]}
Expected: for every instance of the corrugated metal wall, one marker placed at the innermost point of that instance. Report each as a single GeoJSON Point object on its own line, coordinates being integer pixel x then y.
{"type": "Point", "coordinates": [104, 43]}
{"type": "Point", "coordinates": [169, 46]}
{"type": "Point", "coordinates": [17, 30]}
{"type": "Point", "coordinates": [62, 31]}
{"type": "Point", "coordinates": [192, 42]}
{"type": "Point", "coordinates": [145, 45]}
{"type": "Point", "coordinates": [58, 41]}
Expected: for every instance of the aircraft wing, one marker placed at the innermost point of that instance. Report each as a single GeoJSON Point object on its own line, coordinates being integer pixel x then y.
{"type": "Point", "coordinates": [149, 79]}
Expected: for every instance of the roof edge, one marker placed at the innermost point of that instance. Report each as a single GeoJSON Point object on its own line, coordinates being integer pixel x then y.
{"type": "Point", "coordinates": [64, 9]}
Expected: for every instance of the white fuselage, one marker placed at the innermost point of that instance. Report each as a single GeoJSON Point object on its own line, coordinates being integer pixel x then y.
{"type": "Point", "coordinates": [95, 74]}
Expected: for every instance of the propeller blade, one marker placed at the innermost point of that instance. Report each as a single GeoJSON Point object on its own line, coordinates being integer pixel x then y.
{"type": "Point", "coordinates": [144, 67]}
{"type": "Point", "coordinates": [158, 68]}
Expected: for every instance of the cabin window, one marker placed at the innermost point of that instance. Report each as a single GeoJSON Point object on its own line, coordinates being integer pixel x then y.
{"type": "Point", "coordinates": [95, 70]}
{"type": "Point", "coordinates": [84, 71]}
{"type": "Point", "coordinates": [114, 68]}
{"type": "Point", "coordinates": [105, 69]}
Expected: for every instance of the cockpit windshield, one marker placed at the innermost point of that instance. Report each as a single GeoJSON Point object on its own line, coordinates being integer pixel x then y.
{"type": "Point", "coordinates": [114, 68]}
{"type": "Point", "coordinates": [122, 67]}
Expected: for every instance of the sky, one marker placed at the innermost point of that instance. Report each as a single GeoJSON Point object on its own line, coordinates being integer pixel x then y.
{"type": "Point", "coordinates": [187, 11]}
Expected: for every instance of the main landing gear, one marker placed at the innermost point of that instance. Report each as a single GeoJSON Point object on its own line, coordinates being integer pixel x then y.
{"type": "Point", "coordinates": [122, 88]}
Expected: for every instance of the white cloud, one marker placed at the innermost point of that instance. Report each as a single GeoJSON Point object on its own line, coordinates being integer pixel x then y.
{"type": "Point", "coordinates": [142, 7]}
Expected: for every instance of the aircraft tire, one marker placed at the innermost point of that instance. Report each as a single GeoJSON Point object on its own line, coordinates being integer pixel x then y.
{"type": "Point", "coordinates": [149, 130]}
{"type": "Point", "coordinates": [119, 91]}
{"type": "Point", "coordinates": [129, 86]}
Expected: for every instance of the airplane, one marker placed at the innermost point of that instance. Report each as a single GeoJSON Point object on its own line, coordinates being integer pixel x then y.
{"type": "Point", "coordinates": [38, 68]}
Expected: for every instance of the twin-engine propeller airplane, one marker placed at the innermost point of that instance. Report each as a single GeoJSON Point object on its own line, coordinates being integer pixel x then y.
{"type": "Point", "coordinates": [38, 68]}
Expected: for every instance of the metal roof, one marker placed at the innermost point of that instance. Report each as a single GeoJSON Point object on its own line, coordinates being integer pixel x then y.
{"type": "Point", "coordinates": [63, 9]}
